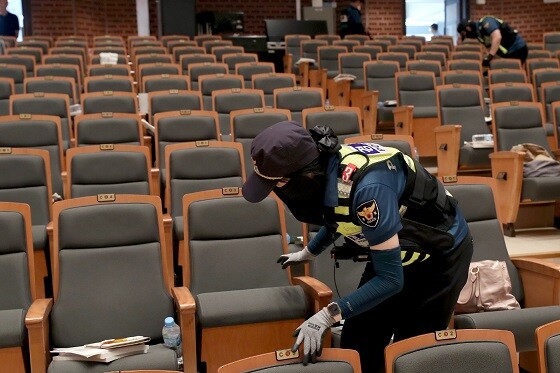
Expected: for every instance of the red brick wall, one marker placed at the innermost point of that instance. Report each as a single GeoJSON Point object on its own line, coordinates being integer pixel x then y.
{"type": "Point", "coordinates": [89, 17]}
{"type": "Point", "coordinates": [531, 17]}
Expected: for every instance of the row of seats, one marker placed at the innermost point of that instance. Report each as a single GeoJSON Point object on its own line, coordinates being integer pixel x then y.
{"type": "Point", "coordinates": [112, 249]}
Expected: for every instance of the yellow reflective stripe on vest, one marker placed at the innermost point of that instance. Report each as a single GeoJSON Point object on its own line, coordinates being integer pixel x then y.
{"type": "Point", "coordinates": [503, 49]}
{"type": "Point", "coordinates": [347, 156]}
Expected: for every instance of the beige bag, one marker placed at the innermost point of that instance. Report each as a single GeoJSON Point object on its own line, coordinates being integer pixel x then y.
{"type": "Point", "coordinates": [488, 288]}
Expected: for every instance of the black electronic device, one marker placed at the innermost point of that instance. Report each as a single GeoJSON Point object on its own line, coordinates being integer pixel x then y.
{"type": "Point", "coordinates": [277, 29]}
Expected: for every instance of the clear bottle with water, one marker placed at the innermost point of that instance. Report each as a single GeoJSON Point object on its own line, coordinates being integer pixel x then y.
{"type": "Point", "coordinates": [171, 333]}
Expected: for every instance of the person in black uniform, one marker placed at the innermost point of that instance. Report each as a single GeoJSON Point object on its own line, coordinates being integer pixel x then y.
{"type": "Point", "coordinates": [391, 212]}
{"type": "Point", "coordinates": [499, 37]}
{"type": "Point", "coordinates": [9, 23]}
{"type": "Point", "coordinates": [351, 20]}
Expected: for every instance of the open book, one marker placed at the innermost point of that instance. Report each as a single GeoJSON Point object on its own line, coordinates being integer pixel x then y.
{"type": "Point", "coordinates": [104, 351]}
{"type": "Point", "coordinates": [341, 77]}
{"type": "Point", "coordinates": [303, 59]}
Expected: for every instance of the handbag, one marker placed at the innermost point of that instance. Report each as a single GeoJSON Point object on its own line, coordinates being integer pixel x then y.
{"type": "Point", "coordinates": [488, 288]}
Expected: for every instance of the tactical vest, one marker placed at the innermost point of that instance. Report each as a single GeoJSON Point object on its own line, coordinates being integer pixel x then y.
{"type": "Point", "coordinates": [508, 35]}
{"type": "Point", "coordinates": [424, 199]}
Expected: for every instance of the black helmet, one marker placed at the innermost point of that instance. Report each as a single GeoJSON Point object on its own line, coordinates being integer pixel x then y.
{"type": "Point", "coordinates": [462, 26]}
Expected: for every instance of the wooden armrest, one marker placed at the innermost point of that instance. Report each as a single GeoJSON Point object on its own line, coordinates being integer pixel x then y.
{"type": "Point", "coordinates": [556, 154]}
{"type": "Point", "coordinates": [368, 106]}
{"type": "Point", "coordinates": [288, 61]}
{"type": "Point", "coordinates": [338, 92]}
{"type": "Point", "coordinates": [315, 289]}
{"type": "Point", "coordinates": [37, 323]}
{"type": "Point", "coordinates": [403, 120]}
{"type": "Point", "coordinates": [168, 233]}
{"type": "Point", "coordinates": [154, 180]}
{"type": "Point", "coordinates": [304, 72]}
{"type": "Point", "coordinates": [448, 144]}
{"type": "Point", "coordinates": [507, 169]}
{"type": "Point", "coordinates": [186, 307]}
{"type": "Point", "coordinates": [65, 184]}
{"type": "Point", "coordinates": [541, 281]}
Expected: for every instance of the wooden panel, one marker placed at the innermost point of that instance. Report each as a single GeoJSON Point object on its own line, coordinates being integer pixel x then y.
{"type": "Point", "coordinates": [12, 360]}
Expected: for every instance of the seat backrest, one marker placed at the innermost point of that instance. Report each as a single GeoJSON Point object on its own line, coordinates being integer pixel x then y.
{"type": "Point", "coordinates": [109, 101]}
{"type": "Point", "coordinates": [36, 131]}
{"type": "Point", "coordinates": [466, 55]}
{"type": "Point", "coordinates": [535, 53]}
{"type": "Point", "coordinates": [108, 128]}
{"type": "Point", "coordinates": [17, 273]}
{"type": "Point", "coordinates": [66, 59]}
{"type": "Point", "coordinates": [353, 63]}
{"type": "Point", "coordinates": [345, 121]}
{"type": "Point", "coordinates": [296, 99]}
{"type": "Point", "coordinates": [416, 88]}
{"type": "Point", "coordinates": [64, 70]}
{"type": "Point", "coordinates": [208, 45]}
{"type": "Point", "coordinates": [380, 76]}
{"type": "Point", "coordinates": [26, 179]}
{"type": "Point", "coordinates": [201, 165]}
{"type": "Point", "coordinates": [540, 63]}
{"type": "Point", "coordinates": [328, 58]}
{"type": "Point", "coordinates": [399, 57]}
{"type": "Point", "coordinates": [196, 70]}
{"type": "Point", "coordinates": [331, 360]}
{"type": "Point", "coordinates": [217, 257]}
{"type": "Point", "coordinates": [248, 69]}
{"type": "Point", "coordinates": [113, 83]}
{"type": "Point", "coordinates": [248, 123]}
{"type": "Point", "coordinates": [118, 69]}
{"type": "Point", "coordinates": [462, 351]}
{"type": "Point", "coordinates": [309, 48]}
{"type": "Point", "coordinates": [485, 228]}
{"type": "Point", "coordinates": [236, 58]}
{"type": "Point", "coordinates": [227, 100]}
{"type": "Point", "coordinates": [505, 63]}
{"type": "Point", "coordinates": [409, 50]}
{"type": "Point", "coordinates": [432, 56]}
{"type": "Point", "coordinates": [464, 64]}
{"type": "Point", "coordinates": [213, 82]}
{"type": "Point", "coordinates": [391, 39]}
{"type": "Point", "coordinates": [50, 84]}
{"type": "Point", "coordinates": [461, 77]}
{"type": "Point", "coordinates": [437, 48]}
{"type": "Point", "coordinates": [220, 51]}
{"type": "Point", "coordinates": [548, 346]}
{"type": "Point", "coordinates": [517, 123]}
{"type": "Point", "coordinates": [372, 50]}
{"type": "Point", "coordinates": [357, 37]}
{"type": "Point", "coordinates": [328, 37]}
{"type": "Point", "coordinates": [165, 82]}
{"type": "Point", "coordinates": [183, 126]}
{"type": "Point", "coordinates": [186, 60]}
{"type": "Point", "coordinates": [173, 100]}
{"type": "Point", "coordinates": [179, 51]}
{"type": "Point", "coordinates": [293, 45]}
{"type": "Point", "coordinates": [108, 258]}
{"type": "Point", "coordinates": [7, 88]}
{"type": "Point", "coordinates": [271, 81]}
{"type": "Point", "coordinates": [108, 168]}
{"type": "Point", "coordinates": [144, 59]}
{"type": "Point", "coordinates": [550, 93]}
{"type": "Point", "coordinates": [157, 69]}
{"type": "Point", "coordinates": [463, 105]}
{"type": "Point", "coordinates": [468, 48]}
{"type": "Point", "coordinates": [383, 44]}
{"type": "Point", "coordinates": [506, 75]}
{"type": "Point", "coordinates": [432, 66]}
{"type": "Point", "coordinates": [36, 53]}
{"type": "Point", "coordinates": [16, 73]}
{"type": "Point", "coordinates": [545, 75]}
{"type": "Point", "coordinates": [551, 41]}
{"type": "Point", "coordinates": [202, 38]}
{"type": "Point", "coordinates": [505, 92]}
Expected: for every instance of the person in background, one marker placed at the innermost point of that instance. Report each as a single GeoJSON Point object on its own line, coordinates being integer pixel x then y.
{"type": "Point", "coordinates": [351, 20]}
{"type": "Point", "coordinates": [499, 37]}
{"type": "Point", "coordinates": [9, 23]}
{"type": "Point", "coordinates": [392, 213]}
{"type": "Point", "coordinates": [434, 29]}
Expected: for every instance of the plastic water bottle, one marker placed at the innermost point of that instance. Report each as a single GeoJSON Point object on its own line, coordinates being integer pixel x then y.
{"type": "Point", "coordinates": [172, 337]}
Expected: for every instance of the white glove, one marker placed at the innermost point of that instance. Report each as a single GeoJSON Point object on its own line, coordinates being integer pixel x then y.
{"type": "Point", "coordinates": [293, 258]}
{"type": "Point", "coordinates": [311, 333]}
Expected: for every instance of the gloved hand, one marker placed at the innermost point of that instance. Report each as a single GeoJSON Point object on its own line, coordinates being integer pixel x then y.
{"type": "Point", "coordinates": [487, 59]}
{"type": "Point", "coordinates": [293, 258]}
{"type": "Point", "coordinates": [311, 333]}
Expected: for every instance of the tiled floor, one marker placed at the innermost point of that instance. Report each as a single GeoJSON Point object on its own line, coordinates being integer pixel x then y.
{"type": "Point", "coordinates": [540, 242]}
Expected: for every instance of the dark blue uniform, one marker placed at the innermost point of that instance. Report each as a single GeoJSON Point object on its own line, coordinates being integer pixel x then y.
{"type": "Point", "coordinates": [512, 44]}
{"type": "Point", "coordinates": [353, 24]}
{"type": "Point", "coordinates": [9, 25]}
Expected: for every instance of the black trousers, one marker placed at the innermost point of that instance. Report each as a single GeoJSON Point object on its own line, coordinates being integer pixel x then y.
{"type": "Point", "coordinates": [426, 303]}
{"type": "Point", "coordinates": [520, 54]}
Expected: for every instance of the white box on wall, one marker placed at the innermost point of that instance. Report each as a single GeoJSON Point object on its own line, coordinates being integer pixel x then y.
{"type": "Point", "coordinates": [481, 2]}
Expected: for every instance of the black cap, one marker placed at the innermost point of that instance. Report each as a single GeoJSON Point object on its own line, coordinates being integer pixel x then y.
{"type": "Point", "coordinates": [277, 152]}
{"type": "Point", "coordinates": [462, 26]}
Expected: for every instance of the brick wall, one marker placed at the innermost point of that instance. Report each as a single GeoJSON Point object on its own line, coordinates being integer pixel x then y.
{"type": "Point", "coordinates": [89, 17]}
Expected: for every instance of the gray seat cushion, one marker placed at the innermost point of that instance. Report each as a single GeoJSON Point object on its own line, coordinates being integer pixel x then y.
{"type": "Point", "coordinates": [12, 330]}
{"type": "Point", "coordinates": [266, 304]}
{"type": "Point", "coordinates": [541, 188]}
{"type": "Point", "coordinates": [552, 349]}
{"type": "Point", "coordinates": [521, 322]}
{"type": "Point", "coordinates": [474, 156]}
{"type": "Point", "coordinates": [157, 357]}
{"type": "Point", "coordinates": [39, 237]}
{"type": "Point", "coordinates": [424, 112]}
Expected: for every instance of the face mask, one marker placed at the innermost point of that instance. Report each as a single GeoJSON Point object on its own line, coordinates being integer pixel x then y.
{"type": "Point", "coordinates": [304, 196]}
{"type": "Point", "coordinates": [472, 34]}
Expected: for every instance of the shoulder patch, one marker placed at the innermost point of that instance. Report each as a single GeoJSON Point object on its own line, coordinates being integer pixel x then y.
{"type": "Point", "coordinates": [486, 25]}
{"type": "Point", "coordinates": [368, 213]}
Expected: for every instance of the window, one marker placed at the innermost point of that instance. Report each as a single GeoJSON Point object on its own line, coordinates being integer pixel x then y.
{"type": "Point", "coordinates": [420, 14]}
{"type": "Point", "coordinates": [15, 7]}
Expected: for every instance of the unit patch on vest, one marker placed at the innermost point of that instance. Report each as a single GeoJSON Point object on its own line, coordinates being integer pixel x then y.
{"type": "Point", "coordinates": [368, 213]}
{"type": "Point", "coordinates": [368, 148]}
